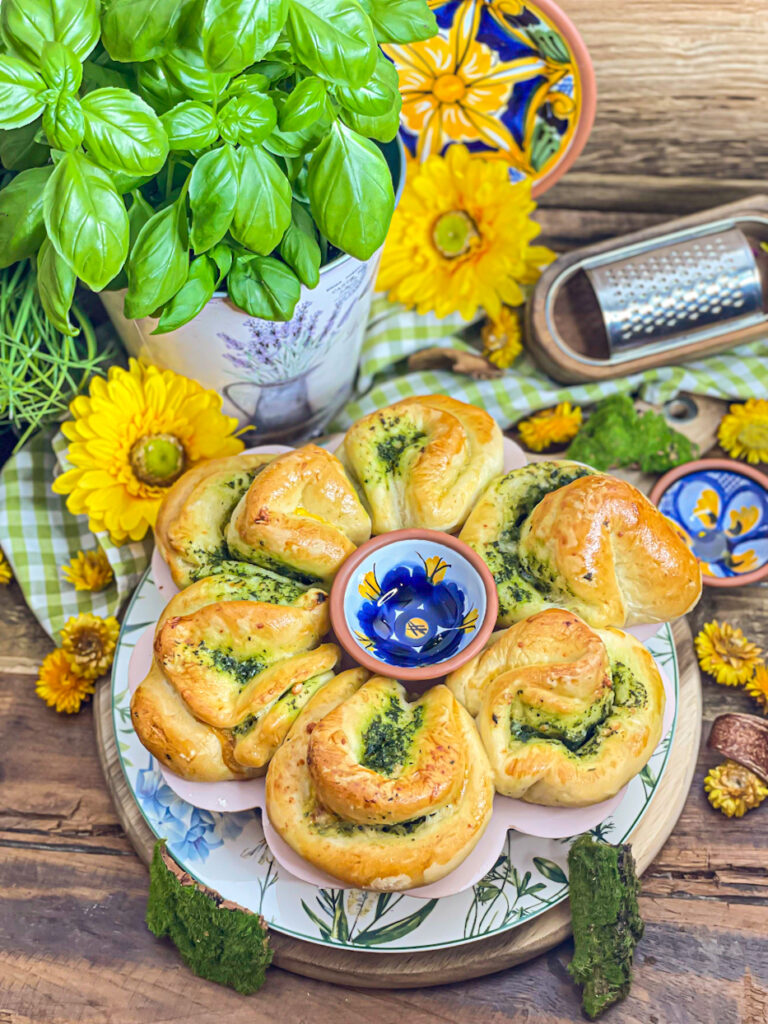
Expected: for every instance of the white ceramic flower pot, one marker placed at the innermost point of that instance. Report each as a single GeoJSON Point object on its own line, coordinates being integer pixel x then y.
{"type": "Point", "coordinates": [286, 380]}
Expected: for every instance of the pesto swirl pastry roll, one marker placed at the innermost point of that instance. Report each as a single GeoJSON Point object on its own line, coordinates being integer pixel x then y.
{"type": "Point", "coordinates": [236, 658]}
{"type": "Point", "coordinates": [423, 462]}
{"type": "Point", "coordinates": [560, 534]}
{"type": "Point", "coordinates": [378, 792]}
{"type": "Point", "coordinates": [567, 714]}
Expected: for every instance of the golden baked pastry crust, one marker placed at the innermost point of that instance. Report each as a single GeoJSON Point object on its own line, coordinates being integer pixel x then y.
{"type": "Point", "coordinates": [423, 462]}
{"type": "Point", "coordinates": [370, 838]}
{"type": "Point", "coordinates": [559, 534]}
{"type": "Point", "coordinates": [231, 673]}
{"type": "Point", "coordinates": [301, 516]}
{"type": "Point", "coordinates": [567, 714]}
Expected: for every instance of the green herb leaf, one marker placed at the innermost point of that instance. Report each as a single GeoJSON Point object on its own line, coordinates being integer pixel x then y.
{"type": "Point", "coordinates": [29, 24]}
{"type": "Point", "coordinates": [139, 30]}
{"type": "Point", "coordinates": [22, 228]}
{"type": "Point", "coordinates": [334, 38]}
{"type": "Point", "coordinates": [20, 149]}
{"type": "Point", "coordinates": [123, 133]}
{"type": "Point", "coordinates": [264, 287]}
{"type": "Point", "coordinates": [401, 21]}
{"type": "Point", "coordinates": [376, 96]}
{"type": "Point", "coordinates": [63, 122]}
{"type": "Point", "coordinates": [56, 282]}
{"type": "Point", "coordinates": [221, 255]}
{"type": "Point", "coordinates": [237, 33]}
{"type": "Point", "coordinates": [190, 126]}
{"type": "Point", "coordinates": [350, 192]}
{"type": "Point", "coordinates": [303, 106]}
{"type": "Point", "coordinates": [253, 85]}
{"type": "Point", "coordinates": [159, 261]}
{"type": "Point", "coordinates": [191, 298]}
{"type": "Point", "coordinates": [138, 215]}
{"type": "Point", "coordinates": [263, 210]}
{"type": "Point", "coordinates": [158, 87]}
{"type": "Point", "coordinates": [299, 246]}
{"type": "Point", "coordinates": [61, 67]}
{"type": "Point", "coordinates": [86, 219]}
{"type": "Point", "coordinates": [247, 118]}
{"type": "Point", "coordinates": [213, 191]}
{"type": "Point", "coordinates": [187, 70]}
{"type": "Point", "coordinates": [383, 127]}
{"type": "Point", "coordinates": [21, 90]}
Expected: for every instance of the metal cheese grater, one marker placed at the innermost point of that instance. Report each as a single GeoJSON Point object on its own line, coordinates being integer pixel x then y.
{"type": "Point", "coordinates": [680, 288]}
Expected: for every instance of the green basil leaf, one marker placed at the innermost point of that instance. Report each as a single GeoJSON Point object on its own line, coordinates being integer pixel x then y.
{"type": "Point", "coordinates": [401, 21]}
{"type": "Point", "coordinates": [20, 149]}
{"type": "Point", "coordinates": [263, 210]}
{"type": "Point", "coordinates": [29, 24]}
{"type": "Point", "coordinates": [123, 133]}
{"type": "Point", "coordinates": [252, 85]}
{"type": "Point", "coordinates": [63, 122]}
{"type": "Point", "coordinates": [159, 261]}
{"type": "Point", "coordinates": [190, 126]}
{"type": "Point", "coordinates": [383, 127]}
{"type": "Point", "coordinates": [378, 95]}
{"type": "Point", "coordinates": [21, 90]}
{"type": "Point", "coordinates": [236, 33]}
{"type": "Point", "coordinates": [191, 298]}
{"type": "Point", "coordinates": [334, 38]}
{"type": "Point", "coordinates": [61, 68]}
{"type": "Point", "coordinates": [22, 228]}
{"type": "Point", "coordinates": [350, 192]}
{"type": "Point", "coordinates": [86, 219]}
{"type": "Point", "coordinates": [158, 87]}
{"type": "Point", "coordinates": [188, 72]}
{"type": "Point", "coordinates": [98, 73]}
{"type": "Point", "coordinates": [304, 106]}
{"type": "Point", "coordinates": [297, 144]}
{"type": "Point", "coordinates": [138, 30]}
{"type": "Point", "coordinates": [138, 215]}
{"type": "Point", "coordinates": [56, 282]}
{"type": "Point", "coordinates": [248, 118]}
{"type": "Point", "coordinates": [213, 191]}
{"type": "Point", "coordinates": [299, 246]}
{"type": "Point", "coordinates": [221, 254]}
{"type": "Point", "coordinates": [264, 287]}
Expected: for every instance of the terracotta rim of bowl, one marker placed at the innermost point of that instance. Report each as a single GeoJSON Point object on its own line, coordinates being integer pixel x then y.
{"type": "Point", "coordinates": [732, 466]}
{"type": "Point", "coordinates": [428, 672]}
{"type": "Point", "coordinates": [586, 69]}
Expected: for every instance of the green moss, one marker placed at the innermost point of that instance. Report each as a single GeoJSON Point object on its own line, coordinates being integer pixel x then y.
{"type": "Point", "coordinates": [228, 946]}
{"type": "Point", "coordinates": [606, 921]}
{"type": "Point", "coordinates": [387, 740]}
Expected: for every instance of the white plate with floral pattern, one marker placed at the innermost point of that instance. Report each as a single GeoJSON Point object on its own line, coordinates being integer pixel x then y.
{"type": "Point", "coordinates": [228, 852]}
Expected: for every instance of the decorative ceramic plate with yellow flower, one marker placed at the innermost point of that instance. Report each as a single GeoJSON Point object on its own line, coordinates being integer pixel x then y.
{"type": "Point", "coordinates": [508, 78]}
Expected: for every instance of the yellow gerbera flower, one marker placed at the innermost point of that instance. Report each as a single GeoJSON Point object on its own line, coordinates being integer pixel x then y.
{"type": "Point", "coordinates": [552, 426]}
{"type": "Point", "coordinates": [725, 653]}
{"type": "Point", "coordinates": [460, 238]}
{"type": "Point", "coordinates": [502, 338]}
{"type": "Point", "coordinates": [130, 438]}
{"type": "Point", "coordinates": [89, 643]}
{"type": "Point", "coordinates": [743, 432]}
{"type": "Point", "coordinates": [6, 573]}
{"type": "Point", "coordinates": [59, 686]}
{"type": "Point", "coordinates": [88, 570]}
{"type": "Point", "coordinates": [734, 790]}
{"type": "Point", "coordinates": [757, 686]}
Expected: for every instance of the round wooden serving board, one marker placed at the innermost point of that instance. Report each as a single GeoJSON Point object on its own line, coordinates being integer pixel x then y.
{"type": "Point", "coordinates": [484, 956]}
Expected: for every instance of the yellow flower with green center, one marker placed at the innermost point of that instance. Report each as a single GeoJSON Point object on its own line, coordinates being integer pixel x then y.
{"type": "Point", "coordinates": [757, 686]}
{"type": "Point", "coordinates": [131, 437]}
{"type": "Point", "coordinates": [734, 790]}
{"type": "Point", "coordinates": [552, 426]}
{"type": "Point", "coordinates": [743, 432]}
{"type": "Point", "coordinates": [6, 573]}
{"type": "Point", "coordinates": [502, 338]}
{"type": "Point", "coordinates": [460, 240]}
{"type": "Point", "coordinates": [726, 654]}
{"type": "Point", "coordinates": [89, 643]}
{"type": "Point", "coordinates": [88, 570]}
{"type": "Point", "coordinates": [59, 686]}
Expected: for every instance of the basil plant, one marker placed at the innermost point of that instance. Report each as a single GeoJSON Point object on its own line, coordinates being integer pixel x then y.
{"type": "Point", "coordinates": [169, 146]}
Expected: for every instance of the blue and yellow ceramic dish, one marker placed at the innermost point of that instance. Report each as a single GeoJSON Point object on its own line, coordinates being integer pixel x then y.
{"type": "Point", "coordinates": [414, 604]}
{"type": "Point", "coordinates": [721, 507]}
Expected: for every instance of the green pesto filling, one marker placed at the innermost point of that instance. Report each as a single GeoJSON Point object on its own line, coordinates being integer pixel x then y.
{"type": "Point", "coordinates": [223, 659]}
{"type": "Point", "coordinates": [338, 826]}
{"type": "Point", "coordinates": [292, 702]}
{"type": "Point", "coordinates": [387, 740]}
{"type": "Point", "coordinates": [398, 438]}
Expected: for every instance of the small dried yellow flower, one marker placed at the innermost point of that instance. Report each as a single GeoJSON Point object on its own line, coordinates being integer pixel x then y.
{"type": "Point", "coordinates": [6, 573]}
{"type": "Point", "coordinates": [757, 686]}
{"type": "Point", "coordinates": [88, 570]}
{"type": "Point", "coordinates": [502, 338]}
{"type": "Point", "coordinates": [743, 432]}
{"type": "Point", "coordinates": [734, 789]}
{"type": "Point", "coordinates": [59, 686]}
{"type": "Point", "coordinates": [552, 426]}
{"type": "Point", "coordinates": [89, 642]}
{"type": "Point", "coordinates": [726, 654]}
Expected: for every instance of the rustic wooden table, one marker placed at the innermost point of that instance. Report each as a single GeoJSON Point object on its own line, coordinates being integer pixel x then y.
{"type": "Point", "coordinates": [682, 124]}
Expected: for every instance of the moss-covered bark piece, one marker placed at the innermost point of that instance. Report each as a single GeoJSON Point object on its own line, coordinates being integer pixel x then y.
{"type": "Point", "coordinates": [218, 940]}
{"type": "Point", "coordinates": [606, 921]}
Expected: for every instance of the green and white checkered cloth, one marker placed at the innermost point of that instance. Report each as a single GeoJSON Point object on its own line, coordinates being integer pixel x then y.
{"type": "Point", "coordinates": [38, 535]}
